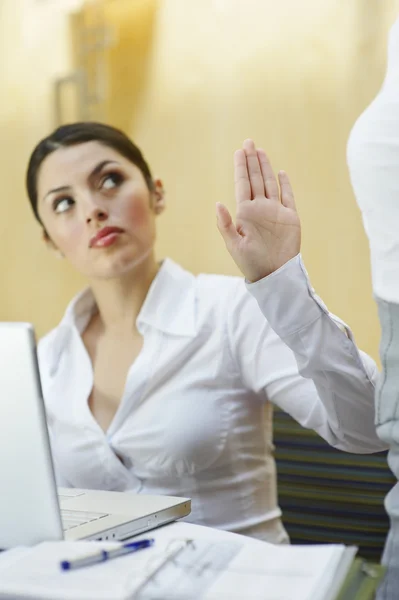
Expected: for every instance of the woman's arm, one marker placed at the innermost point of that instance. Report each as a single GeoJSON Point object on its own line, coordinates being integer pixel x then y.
{"type": "Point", "coordinates": [325, 353]}
{"type": "Point", "coordinates": [303, 360]}
{"type": "Point", "coordinates": [302, 357]}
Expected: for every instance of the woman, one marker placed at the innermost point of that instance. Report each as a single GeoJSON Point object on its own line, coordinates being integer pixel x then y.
{"type": "Point", "coordinates": [157, 381]}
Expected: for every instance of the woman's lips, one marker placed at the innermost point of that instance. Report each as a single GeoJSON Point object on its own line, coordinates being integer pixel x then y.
{"type": "Point", "coordinates": [105, 237]}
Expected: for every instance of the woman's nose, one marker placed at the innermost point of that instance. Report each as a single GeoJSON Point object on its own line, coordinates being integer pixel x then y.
{"type": "Point", "coordinates": [96, 214]}
{"type": "Point", "coordinates": [94, 210]}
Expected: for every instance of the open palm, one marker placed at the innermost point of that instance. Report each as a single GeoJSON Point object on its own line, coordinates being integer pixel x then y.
{"type": "Point", "coordinates": [267, 232]}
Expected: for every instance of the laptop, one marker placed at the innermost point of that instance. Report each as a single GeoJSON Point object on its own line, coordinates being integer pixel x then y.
{"type": "Point", "coordinates": [31, 508]}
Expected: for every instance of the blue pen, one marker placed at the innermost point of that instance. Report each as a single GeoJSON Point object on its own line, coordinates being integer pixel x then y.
{"type": "Point", "coordinates": [103, 555]}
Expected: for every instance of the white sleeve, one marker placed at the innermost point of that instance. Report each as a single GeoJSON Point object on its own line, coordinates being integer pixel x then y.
{"type": "Point", "coordinates": [304, 359]}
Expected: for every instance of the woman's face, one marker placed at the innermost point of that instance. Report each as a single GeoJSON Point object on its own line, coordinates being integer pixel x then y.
{"type": "Point", "coordinates": [97, 209]}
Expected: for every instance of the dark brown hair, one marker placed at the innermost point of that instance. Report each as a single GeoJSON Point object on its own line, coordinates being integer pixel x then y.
{"type": "Point", "coordinates": [79, 133]}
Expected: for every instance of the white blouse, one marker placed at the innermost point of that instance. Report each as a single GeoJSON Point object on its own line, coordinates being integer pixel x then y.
{"type": "Point", "coordinates": [373, 160]}
{"type": "Point", "coordinates": [195, 418]}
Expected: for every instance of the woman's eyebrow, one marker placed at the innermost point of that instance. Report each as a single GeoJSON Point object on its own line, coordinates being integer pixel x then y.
{"type": "Point", "coordinates": [100, 167]}
{"type": "Point", "coordinates": [63, 188]}
{"type": "Point", "coordinates": [97, 169]}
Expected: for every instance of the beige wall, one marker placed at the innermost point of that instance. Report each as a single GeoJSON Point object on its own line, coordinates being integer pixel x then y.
{"type": "Point", "coordinates": [190, 79]}
{"type": "Point", "coordinates": [33, 51]}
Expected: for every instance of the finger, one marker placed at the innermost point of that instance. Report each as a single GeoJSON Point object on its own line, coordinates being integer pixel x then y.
{"type": "Point", "coordinates": [269, 179]}
{"type": "Point", "coordinates": [241, 178]}
{"type": "Point", "coordinates": [254, 170]}
{"type": "Point", "coordinates": [287, 195]}
{"type": "Point", "coordinates": [225, 225]}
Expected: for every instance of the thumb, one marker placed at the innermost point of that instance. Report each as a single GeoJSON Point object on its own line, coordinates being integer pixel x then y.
{"type": "Point", "coordinates": [225, 224]}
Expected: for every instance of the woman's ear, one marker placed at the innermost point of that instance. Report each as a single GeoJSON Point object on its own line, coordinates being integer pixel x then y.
{"type": "Point", "coordinates": [50, 245]}
{"type": "Point", "coordinates": [158, 195]}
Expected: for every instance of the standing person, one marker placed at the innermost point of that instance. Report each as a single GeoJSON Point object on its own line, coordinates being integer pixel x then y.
{"type": "Point", "coordinates": [373, 158]}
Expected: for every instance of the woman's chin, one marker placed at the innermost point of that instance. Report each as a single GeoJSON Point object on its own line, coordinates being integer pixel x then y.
{"type": "Point", "coordinates": [120, 266]}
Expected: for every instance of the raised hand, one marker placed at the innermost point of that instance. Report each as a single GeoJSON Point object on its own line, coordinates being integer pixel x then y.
{"type": "Point", "coordinates": [267, 232]}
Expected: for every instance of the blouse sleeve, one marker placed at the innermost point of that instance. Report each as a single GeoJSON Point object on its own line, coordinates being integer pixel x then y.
{"type": "Point", "coordinates": [291, 350]}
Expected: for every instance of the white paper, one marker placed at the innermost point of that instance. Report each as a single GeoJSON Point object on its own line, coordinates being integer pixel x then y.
{"type": "Point", "coordinates": [259, 571]}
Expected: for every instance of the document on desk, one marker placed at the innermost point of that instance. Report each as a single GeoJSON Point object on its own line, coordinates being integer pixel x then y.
{"type": "Point", "coordinates": [176, 570]}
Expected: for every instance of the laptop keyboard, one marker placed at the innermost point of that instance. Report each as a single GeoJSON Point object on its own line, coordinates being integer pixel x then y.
{"type": "Point", "coordinates": [74, 518]}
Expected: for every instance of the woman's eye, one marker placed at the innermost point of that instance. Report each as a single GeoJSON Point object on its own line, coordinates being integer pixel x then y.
{"type": "Point", "coordinates": [62, 204]}
{"type": "Point", "coordinates": [111, 181]}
